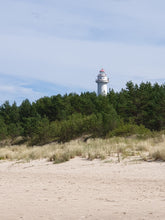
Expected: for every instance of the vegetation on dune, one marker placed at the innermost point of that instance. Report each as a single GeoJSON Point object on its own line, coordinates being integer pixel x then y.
{"type": "Point", "coordinates": [136, 110]}
{"type": "Point", "coordinates": [58, 118]}
{"type": "Point", "coordinates": [113, 149]}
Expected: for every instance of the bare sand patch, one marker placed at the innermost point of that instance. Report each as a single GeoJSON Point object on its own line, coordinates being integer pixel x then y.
{"type": "Point", "coordinates": [82, 189]}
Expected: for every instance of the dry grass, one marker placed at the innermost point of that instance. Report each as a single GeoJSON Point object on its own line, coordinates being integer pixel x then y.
{"type": "Point", "coordinates": [114, 149]}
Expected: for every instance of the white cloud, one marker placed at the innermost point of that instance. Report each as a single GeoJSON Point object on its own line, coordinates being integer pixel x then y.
{"type": "Point", "coordinates": [71, 62]}
{"type": "Point", "coordinates": [67, 42]}
{"type": "Point", "coordinates": [77, 19]}
{"type": "Point", "coordinates": [17, 93]}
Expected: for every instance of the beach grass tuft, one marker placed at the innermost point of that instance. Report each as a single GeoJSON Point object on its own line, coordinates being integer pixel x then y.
{"type": "Point", "coordinates": [120, 148]}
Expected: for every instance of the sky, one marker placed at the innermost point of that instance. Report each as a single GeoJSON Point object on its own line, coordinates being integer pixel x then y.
{"type": "Point", "coordinates": [50, 47]}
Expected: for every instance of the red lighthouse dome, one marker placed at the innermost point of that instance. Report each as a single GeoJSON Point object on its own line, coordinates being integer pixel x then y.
{"type": "Point", "coordinates": [102, 70]}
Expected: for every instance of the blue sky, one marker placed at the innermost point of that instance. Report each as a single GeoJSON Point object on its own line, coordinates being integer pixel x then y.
{"type": "Point", "coordinates": [49, 47]}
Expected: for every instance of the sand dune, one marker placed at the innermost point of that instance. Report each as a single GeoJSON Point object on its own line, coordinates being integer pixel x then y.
{"type": "Point", "coordinates": [81, 189]}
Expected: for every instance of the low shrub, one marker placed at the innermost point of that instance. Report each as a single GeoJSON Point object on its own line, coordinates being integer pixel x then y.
{"type": "Point", "coordinates": [60, 158]}
{"type": "Point", "coordinates": [125, 130]}
{"type": "Point", "coordinates": [158, 155]}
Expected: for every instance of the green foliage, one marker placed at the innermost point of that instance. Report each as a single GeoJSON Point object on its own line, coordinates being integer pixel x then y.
{"type": "Point", "coordinates": [145, 104]}
{"type": "Point", "coordinates": [41, 134]}
{"type": "Point", "coordinates": [134, 110]}
{"type": "Point", "coordinates": [25, 110]}
{"type": "Point", "coordinates": [15, 130]}
{"type": "Point", "coordinates": [110, 120]}
{"type": "Point", "coordinates": [129, 129]}
{"type": "Point", "coordinates": [30, 125]}
{"type": "Point", "coordinates": [3, 129]}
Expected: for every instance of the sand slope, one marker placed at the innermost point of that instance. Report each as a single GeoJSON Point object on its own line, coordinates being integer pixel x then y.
{"type": "Point", "coordinates": [81, 189]}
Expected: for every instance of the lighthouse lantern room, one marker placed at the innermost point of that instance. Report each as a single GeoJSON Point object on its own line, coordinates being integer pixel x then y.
{"type": "Point", "coordinates": [102, 81]}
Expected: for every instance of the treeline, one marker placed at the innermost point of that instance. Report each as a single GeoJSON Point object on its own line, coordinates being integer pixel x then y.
{"type": "Point", "coordinates": [143, 104]}
{"type": "Point", "coordinates": [62, 118]}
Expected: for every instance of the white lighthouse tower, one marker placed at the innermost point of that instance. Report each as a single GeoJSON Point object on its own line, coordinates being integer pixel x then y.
{"type": "Point", "coordinates": [102, 81]}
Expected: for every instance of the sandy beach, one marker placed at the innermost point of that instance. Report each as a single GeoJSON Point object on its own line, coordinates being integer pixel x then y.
{"type": "Point", "coordinates": [82, 189]}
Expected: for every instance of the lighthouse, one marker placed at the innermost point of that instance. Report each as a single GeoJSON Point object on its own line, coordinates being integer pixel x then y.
{"type": "Point", "coordinates": [102, 81]}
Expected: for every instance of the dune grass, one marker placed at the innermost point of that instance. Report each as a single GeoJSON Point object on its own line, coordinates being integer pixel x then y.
{"type": "Point", "coordinates": [116, 149]}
